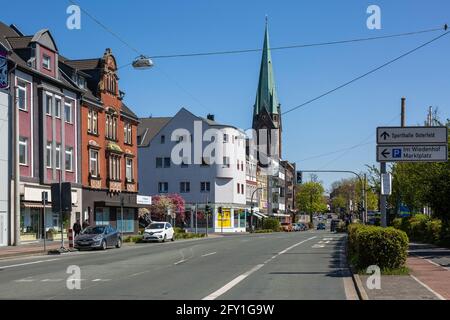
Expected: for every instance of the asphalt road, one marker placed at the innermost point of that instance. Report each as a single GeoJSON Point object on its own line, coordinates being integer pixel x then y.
{"type": "Point", "coordinates": [280, 266]}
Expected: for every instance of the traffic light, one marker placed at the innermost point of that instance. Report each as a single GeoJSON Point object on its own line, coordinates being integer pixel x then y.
{"type": "Point", "coordinates": [219, 210]}
{"type": "Point", "coordinates": [208, 210]}
{"type": "Point", "coordinates": [299, 177]}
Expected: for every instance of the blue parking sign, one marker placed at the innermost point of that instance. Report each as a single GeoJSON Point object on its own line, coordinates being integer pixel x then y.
{"type": "Point", "coordinates": [397, 153]}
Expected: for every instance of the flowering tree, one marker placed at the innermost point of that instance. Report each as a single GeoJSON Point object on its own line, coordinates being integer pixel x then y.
{"type": "Point", "coordinates": [163, 205]}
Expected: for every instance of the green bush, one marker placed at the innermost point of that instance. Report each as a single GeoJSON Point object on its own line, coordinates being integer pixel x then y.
{"type": "Point", "coordinates": [179, 230]}
{"type": "Point", "coordinates": [421, 228]}
{"type": "Point", "coordinates": [264, 231]}
{"type": "Point", "coordinates": [433, 231]}
{"type": "Point", "coordinates": [188, 235]}
{"type": "Point", "coordinates": [129, 239]}
{"type": "Point", "coordinates": [341, 227]}
{"type": "Point", "coordinates": [385, 247]}
{"type": "Point", "coordinates": [272, 224]}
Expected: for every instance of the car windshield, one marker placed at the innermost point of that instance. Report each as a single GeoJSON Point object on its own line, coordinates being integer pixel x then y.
{"type": "Point", "coordinates": [156, 226]}
{"type": "Point", "coordinates": [94, 230]}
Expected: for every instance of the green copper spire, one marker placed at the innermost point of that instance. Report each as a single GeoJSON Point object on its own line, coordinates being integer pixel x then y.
{"type": "Point", "coordinates": [266, 96]}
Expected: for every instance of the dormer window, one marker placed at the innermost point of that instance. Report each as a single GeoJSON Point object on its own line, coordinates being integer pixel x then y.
{"type": "Point", "coordinates": [46, 62]}
{"type": "Point", "coordinates": [81, 82]}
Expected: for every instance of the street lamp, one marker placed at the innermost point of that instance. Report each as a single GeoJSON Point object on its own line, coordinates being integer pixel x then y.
{"type": "Point", "coordinates": [142, 63]}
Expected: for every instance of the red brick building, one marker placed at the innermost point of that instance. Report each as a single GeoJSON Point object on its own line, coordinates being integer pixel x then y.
{"type": "Point", "coordinates": [108, 146]}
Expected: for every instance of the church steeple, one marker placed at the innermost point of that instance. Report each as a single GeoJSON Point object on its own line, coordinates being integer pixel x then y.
{"type": "Point", "coordinates": [267, 109]}
{"type": "Point", "coordinates": [266, 96]}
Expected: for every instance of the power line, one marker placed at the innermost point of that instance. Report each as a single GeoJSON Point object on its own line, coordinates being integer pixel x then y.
{"type": "Point", "coordinates": [295, 46]}
{"type": "Point", "coordinates": [366, 74]}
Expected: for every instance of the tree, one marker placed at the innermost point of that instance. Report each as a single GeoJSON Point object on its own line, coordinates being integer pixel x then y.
{"type": "Point", "coordinates": [310, 198]}
{"type": "Point", "coordinates": [163, 205]}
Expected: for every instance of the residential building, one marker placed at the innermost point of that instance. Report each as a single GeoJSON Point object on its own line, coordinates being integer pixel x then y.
{"type": "Point", "coordinates": [5, 142]}
{"type": "Point", "coordinates": [290, 181]}
{"type": "Point", "coordinates": [48, 141]}
{"type": "Point", "coordinates": [176, 157]}
{"type": "Point", "coordinates": [109, 145]}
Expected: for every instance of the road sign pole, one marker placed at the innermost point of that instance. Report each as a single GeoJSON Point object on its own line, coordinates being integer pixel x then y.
{"type": "Point", "coordinates": [383, 199]}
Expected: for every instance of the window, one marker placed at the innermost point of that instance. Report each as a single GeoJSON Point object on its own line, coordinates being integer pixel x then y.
{"type": "Point", "coordinates": [159, 162]}
{"type": "Point", "coordinates": [69, 158]}
{"type": "Point", "coordinates": [225, 138]}
{"type": "Point", "coordinates": [185, 187]}
{"type": "Point", "coordinates": [92, 121]}
{"type": "Point", "coordinates": [129, 169]}
{"type": "Point", "coordinates": [102, 216]}
{"type": "Point", "coordinates": [58, 156]}
{"type": "Point", "coordinates": [114, 168]}
{"type": "Point", "coordinates": [22, 96]}
{"type": "Point", "coordinates": [49, 154]}
{"type": "Point", "coordinates": [23, 151]}
{"type": "Point", "coordinates": [57, 108]}
{"type": "Point", "coordinates": [47, 62]}
{"type": "Point", "coordinates": [81, 82]}
{"type": "Point", "coordinates": [163, 139]}
{"type": "Point", "coordinates": [167, 162]}
{"type": "Point", "coordinates": [163, 187]}
{"type": "Point", "coordinates": [48, 105]}
{"type": "Point", "coordinates": [226, 162]}
{"type": "Point", "coordinates": [128, 221]}
{"type": "Point", "coordinates": [238, 188]}
{"type": "Point", "coordinates": [93, 163]}
{"type": "Point", "coordinates": [242, 189]}
{"type": "Point", "coordinates": [128, 133]}
{"type": "Point", "coordinates": [205, 186]}
{"type": "Point", "coordinates": [111, 127]}
{"type": "Point", "coordinates": [68, 112]}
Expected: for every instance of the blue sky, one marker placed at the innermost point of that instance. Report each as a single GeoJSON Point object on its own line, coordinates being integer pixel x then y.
{"type": "Point", "coordinates": [226, 85]}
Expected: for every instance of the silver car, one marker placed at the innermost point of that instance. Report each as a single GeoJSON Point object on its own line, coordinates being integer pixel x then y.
{"type": "Point", "coordinates": [99, 237]}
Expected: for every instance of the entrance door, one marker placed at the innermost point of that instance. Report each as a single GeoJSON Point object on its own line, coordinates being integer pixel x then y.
{"type": "Point", "coordinates": [3, 229]}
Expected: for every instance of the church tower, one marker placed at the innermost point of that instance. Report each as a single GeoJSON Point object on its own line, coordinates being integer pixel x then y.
{"type": "Point", "coordinates": [267, 109]}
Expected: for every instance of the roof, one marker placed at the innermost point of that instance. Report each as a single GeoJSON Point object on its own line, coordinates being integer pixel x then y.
{"type": "Point", "coordinates": [266, 95]}
{"type": "Point", "coordinates": [86, 64]}
{"type": "Point", "coordinates": [149, 127]}
{"type": "Point", "coordinates": [19, 42]}
{"type": "Point", "coordinates": [128, 112]}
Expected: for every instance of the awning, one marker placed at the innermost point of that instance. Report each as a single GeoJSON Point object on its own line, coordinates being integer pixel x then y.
{"type": "Point", "coordinates": [260, 215]}
{"type": "Point", "coordinates": [115, 204]}
{"type": "Point", "coordinates": [34, 205]}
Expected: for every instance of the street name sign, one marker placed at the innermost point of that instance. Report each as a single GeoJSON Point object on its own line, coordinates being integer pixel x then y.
{"type": "Point", "coordinates": [144, 200]}
{"type": "Point", "coordinates": [413, 153]}
{"type": "Point", "coordinates": [411, 135]}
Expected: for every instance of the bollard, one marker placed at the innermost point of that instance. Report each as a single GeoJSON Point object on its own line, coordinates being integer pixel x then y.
{"type": "Point", "coordinates": [70, 235]}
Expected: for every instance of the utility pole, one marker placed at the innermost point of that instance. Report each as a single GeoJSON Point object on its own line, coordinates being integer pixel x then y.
{"type": "Point", "coordinates": [196, 217]}
{"type": "Point", "coordinates": [207, 215]}
{"type": "Point", "coordinates": [365, 198]}
{"type": "Point", "coordinates": [16, 170]}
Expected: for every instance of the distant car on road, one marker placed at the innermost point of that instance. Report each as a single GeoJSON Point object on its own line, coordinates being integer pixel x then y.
{"type": "Point", "coordinates": [98, 237]}
{"type": "Point", "coordinates": [321, 226]}
{"type": "Point", "coordinates": [159, 231]}
{"type": "Point", "coordinates": [303, 226]}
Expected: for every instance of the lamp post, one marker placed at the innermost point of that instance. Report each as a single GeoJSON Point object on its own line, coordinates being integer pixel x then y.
{"type": "Point", "coordinates": [251, 208]}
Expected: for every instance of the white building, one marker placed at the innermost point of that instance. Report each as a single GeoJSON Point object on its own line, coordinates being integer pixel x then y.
{"type": "Point", "coordinates": [200, 159]}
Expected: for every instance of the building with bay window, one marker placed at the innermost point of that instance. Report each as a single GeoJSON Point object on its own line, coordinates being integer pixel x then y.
{"type": "Point", "coordinates": [45, 105]}
{"type": "Point", "coordinates": [109, 146]}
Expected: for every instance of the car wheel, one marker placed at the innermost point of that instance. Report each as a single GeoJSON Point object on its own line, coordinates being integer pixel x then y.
{"type": "Point", "coordinates": [165, 238]}
{"type": "Point", "coordinates": [119, 243]}
{"type": "Point", "coordinates": [104, 246]}
{"type": "Point", "coordinates": [173, 238]}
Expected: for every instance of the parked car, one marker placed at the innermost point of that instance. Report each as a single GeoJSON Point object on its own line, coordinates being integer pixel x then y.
{"type": "Point", "coordinates": [297, 227]}
{"type": "Point", "coordinates": [98, 237]}
{"type": "Point", "coordinates": [159, 231]}
{"type": "Point", "coordinates": [321, 226]}
{"type": "Point", "coordinates": [303, 226]}
{"type": "Point", "coordinates": [287, 227]}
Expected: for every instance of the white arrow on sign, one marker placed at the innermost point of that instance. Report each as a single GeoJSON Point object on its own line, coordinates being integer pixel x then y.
{"type": "Point", "coordinates": [419, 153]}
{"type": "Point", "coordinates": [411, 135]}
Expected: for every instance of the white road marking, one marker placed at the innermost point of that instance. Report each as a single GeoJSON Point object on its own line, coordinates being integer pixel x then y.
{"type": "Point", "coordinates": [238, 279]}
{"type": "Point", "coordinates": [138, 273]}
{"type": "Point", "coordinates": [209, 254]}
{"type": "Point", "coordinates": [26, 264]}
{"type": "Point", "coordinates": [25, 280]}
{"type": "Point", "coordinates": [317, 246]}
{"type": "Point", "coordinates": [428, 288]}
{"type": "Point", "coordinates": [52, 280]}
{"type": "Point", "coordinates": [180, 262]}
{"type": "Point", "coordinates": [101, 280]}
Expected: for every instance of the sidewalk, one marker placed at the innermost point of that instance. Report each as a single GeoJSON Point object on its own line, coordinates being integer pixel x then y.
{"type": "Point", "coordinates": [429, 277]}
{"type": "Point", "coordinates": [28, 249]}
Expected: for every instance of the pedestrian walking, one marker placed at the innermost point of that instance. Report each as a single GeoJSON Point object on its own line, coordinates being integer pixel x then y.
{"type": "Point", "coordinates": [77, 228]}
{"type": "Point", "coordinates": [85, 224]}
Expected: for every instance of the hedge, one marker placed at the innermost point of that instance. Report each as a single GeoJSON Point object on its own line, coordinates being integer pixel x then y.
{"type": "Point", "coordinates": [386, 248]}
{"type": "Point", "coordinates": [272, 224]}
{"type": "Point", "coordinates": [421, 228]}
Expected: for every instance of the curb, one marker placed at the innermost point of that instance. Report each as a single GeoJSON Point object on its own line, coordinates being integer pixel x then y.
{"type": "Point", "coordinates": [359, 285]}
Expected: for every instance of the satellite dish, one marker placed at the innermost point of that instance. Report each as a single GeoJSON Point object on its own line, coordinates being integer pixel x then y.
{"type": "Point", "coordinates": [142, 63]}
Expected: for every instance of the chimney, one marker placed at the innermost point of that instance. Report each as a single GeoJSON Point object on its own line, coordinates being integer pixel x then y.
{"type": "Point", "coordinates": [210, 117]}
